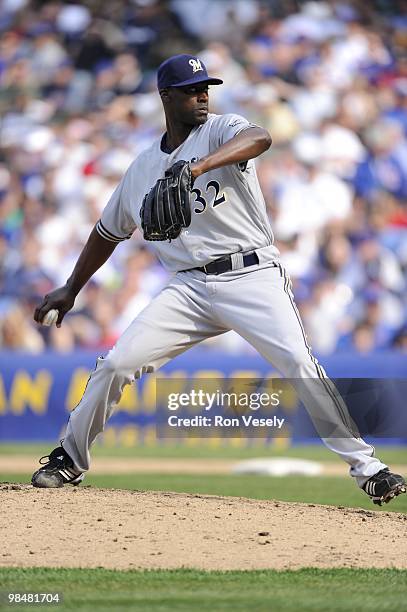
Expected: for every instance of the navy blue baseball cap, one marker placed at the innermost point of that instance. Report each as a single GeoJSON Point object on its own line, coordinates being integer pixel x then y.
{"type": "Point", "coordinates": [182, 70]}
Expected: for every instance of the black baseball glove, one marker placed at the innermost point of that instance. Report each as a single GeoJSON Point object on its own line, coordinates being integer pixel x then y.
{"type": "Point", "coordinates": [166, 208]}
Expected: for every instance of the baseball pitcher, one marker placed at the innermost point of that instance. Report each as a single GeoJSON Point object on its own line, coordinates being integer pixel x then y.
{"type": "Point", "coordinates": [195, 194]}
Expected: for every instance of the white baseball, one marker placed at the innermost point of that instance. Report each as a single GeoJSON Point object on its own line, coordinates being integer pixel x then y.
{"type": "Point", "coordinates": [50, 318]}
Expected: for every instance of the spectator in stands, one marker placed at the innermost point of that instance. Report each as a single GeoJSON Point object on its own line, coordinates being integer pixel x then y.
{"type": "Point", "coordinates": [78, 103]}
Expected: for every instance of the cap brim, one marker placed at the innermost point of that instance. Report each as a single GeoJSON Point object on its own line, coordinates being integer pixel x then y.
{"type": "Point", "coordinates": [194, 81]}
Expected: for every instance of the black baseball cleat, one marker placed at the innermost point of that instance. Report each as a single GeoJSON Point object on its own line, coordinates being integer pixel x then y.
{"type": "Point", "coordinates": [383, 486]}
{"type": "Point", "coordinates": [56, 471]}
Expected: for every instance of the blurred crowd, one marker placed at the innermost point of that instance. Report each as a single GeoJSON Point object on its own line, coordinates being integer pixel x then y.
{"type": "Point", "coordinates": [78, 102]}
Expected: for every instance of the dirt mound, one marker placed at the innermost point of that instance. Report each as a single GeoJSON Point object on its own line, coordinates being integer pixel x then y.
{"type": "Point", "coordinates": [88, 527]}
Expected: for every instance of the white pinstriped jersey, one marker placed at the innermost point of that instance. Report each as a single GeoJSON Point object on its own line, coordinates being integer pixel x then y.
{"type": "Point", "coordinates": [228, 209]}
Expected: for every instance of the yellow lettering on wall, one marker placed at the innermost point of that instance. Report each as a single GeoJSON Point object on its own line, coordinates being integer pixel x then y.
{"type": "Point", "coordinates": [128, 401]}
{"type": "Point", "coordinates": [212, 382]}
{"type": "Point", "coordinates": [147, 395]}
{"type": "Point", "coordinates": [174, 382]}
{"type": "Point", "coordinates": [214, 442]}
{"type": "Point", "coordinates": [32, 392]}
{"type": "Point", "coordinates": [240, 441]}
{"type": "Point", "coordinates": [281, 443]}
{"type": "Point", "coordinates": [3, 399]}
{"type": "Point", "coordinates": [109, 437]}
{"type": "Point", "coordinates": [245, 374]}
{"type": "Point", "coordinates": [149, 435]}
{"type": "Point", "coordinates": [288, 395]}
{"type": "Point", "coordinates": [212, 376]}
{"type": "Point", "coordinates": [77, 386]}
{"type": "Point", "coordinates": [191, 442]}
{"type": "Point", "coordinates": [129, 436]}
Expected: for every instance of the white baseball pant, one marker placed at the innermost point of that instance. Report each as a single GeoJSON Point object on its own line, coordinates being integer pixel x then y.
{"type": "Point", "coordinates": [258, 304]}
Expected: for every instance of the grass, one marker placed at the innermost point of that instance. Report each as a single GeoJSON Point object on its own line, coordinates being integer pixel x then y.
{"type": "Point", "coordinates": [317, 452]}
{"type": "Point", "coordinates": [308, 590]}
{"type": "Point", "coordinates": [321, 490]}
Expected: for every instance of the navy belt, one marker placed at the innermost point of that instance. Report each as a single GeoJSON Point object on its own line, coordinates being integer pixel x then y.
{"type": "Point", "coordinates": [224, 264]}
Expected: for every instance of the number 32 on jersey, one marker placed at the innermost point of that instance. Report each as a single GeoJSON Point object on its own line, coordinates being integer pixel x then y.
{"type": "Point", "coordinates": [219, 198]}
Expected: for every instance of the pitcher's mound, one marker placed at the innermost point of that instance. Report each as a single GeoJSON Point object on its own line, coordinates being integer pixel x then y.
{"type": "Point", "coordinates": [87, 527]}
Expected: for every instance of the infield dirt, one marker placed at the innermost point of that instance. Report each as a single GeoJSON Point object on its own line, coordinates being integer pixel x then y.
{"type": "Point", "coordinates": [89, 527]}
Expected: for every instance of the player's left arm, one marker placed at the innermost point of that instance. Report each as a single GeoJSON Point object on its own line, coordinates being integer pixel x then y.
{"type": "Point", "coordinates": [247, 144]}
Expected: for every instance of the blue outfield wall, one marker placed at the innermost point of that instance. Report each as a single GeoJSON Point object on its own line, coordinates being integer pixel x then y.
{"type": "Point", "coordinates": [37, 392]}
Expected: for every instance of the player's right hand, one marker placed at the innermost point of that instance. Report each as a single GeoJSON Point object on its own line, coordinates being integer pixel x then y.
{"type": "Point", "coordinates": [61, 299]}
